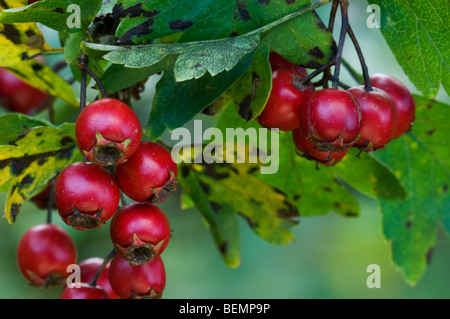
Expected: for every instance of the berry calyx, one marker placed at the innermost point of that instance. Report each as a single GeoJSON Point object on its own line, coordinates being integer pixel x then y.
{"type": "Point", "coordinates": [278, 62]}
{"type": "Point", "coordinates": [378, 118]}
{"type": "Point", "coordinates": [284, 103]}
{"type": "Point", "coordinates": [137, 282]}
{"type": "Point", "coordinates": [308, 150]}
{"type": "Point", "coordinates": [140, 231]}
{"type": "Point", "coordinates": [86, 195]}
{"type": "Point", "coordinates": [403, 100]}
{"type": "Point", "coordinates": [43, 254]}
{"type": "Point", "coordinates": [149, 175]}
{"type": "Point", "coordinates": [88, 269]}
{"type": "Point", "coordinates": [84, 291]}
{"type": "Point", "coordinates": [331, 119]}
{"type": "Point", "coordinates": [108, 132]}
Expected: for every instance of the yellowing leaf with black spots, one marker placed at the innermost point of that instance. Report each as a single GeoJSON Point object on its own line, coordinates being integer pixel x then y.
{"type": "Point", "coordinates": [32, 159]}
{"type": "Point", "coordinates": [222, 190]}
{"type": "Point", "coordinates": [21, 41]}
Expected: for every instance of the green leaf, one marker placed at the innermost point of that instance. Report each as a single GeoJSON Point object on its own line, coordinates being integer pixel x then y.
{"type": "Point", "coordinates": [32, 159]}
{"type": "Point", "coordinates": [72, 47]}
{"type": "Point", "coordinates": [178, 102]}
{"type": "Point", "coordinates": [369, 175]}
{"type": "Point", "coordinates": [14, 124]}
{"type": "Point", "coordinates": [417, 33]}
{"type": "Point", "coordinates": [20, 41]}
{"type": "Point", "coordinates": [194, 60]}
{"type": "Point", "coordinates": [222, 190]}
{"type": "Point", "coordinates": [421, 161]}
{"type": "Point", "coordinates": [55, 14]}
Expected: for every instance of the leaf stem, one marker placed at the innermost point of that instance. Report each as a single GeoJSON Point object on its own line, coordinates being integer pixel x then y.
{"type": "Point", "coordinates": [108, 258]}
{"type": "Point", "coordinates": [344, 27]}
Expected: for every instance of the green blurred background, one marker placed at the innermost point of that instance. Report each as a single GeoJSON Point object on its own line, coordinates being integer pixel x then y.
{"type": "Point", "coordinates": [328, 259]}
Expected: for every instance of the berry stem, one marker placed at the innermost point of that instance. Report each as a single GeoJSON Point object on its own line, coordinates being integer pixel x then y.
{"type": "Point", "coordinates": [81, 61]}
{"type": "Point", "coordinates": [84, 66]}
{"type": "Point", "coordinates": [50, 202]}
{"type": "Point", "coordinates": [317, 71]}
{"type": "Point", "coordinates": [344, 27]}
{"type": "Point", "coordinates": [327, 74]}
{"type": "Point", "coordinates": [108, 258]}
{"type": "Point", "coordinates": [365, 70]}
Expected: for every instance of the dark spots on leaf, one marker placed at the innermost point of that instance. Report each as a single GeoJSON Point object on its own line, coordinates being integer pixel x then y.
{"type": "Point", "coordinates": [39, 134]}
{"type": "Point", "coordinates": [278, 191]}
{"type": "Point", "coordinates": [30, 33]}
{"type": "Point", "coordinates": [132, 12]}
{"type": "Point", "coordinates": [37, 67]}
{"type": "Point", "coordinates": [316, 52]}
{"type": "Point", "coordinates": [297, 197]}
{"type": "Point", "coordinates": [41, 161]}
{"type": "Point", "coordinates": [216, 207]}
{"type": "Point", "coordinates": [142, 29]}
{"type": "Point", "coordinates": [313, 65]}
{"type": "Point", "coordinates": [197, 66]}
{"type": "Point", "coordinates": [28, 179]}
{"type": "Point", "coordinates": [242, 13]}
{"type": "Point", "coordinates": [180, 24]}
{"type": "Point", "coordinates": [253, 170]}
{"type": "Point", "coordinates": [290, 1]}
{"type": "Point", "coordinates": [431, 132]}
{"type": "Point", "coordinates": [25, 56]}
{"type": "Point", "coordinates": [429, 255]}
{"type": "Point", "coordinates": [408, 224]}
{"type": "Point", "coordinates": [205, 187]}
{"type": "Point", "coordinates": [14, 211]}
{"type": "Point", "coordinates": [184, 171]}
{"type": "Point", "coordinates": [244, 108]}
{"type": "Point", "coordinates": [3, 4]}
{"type": "Point", "coordinates": [58, 10]}
{"type": "Point", "coordinates": [211, 171]}
{"type": "Point", "coordinates": [66, 140]}
{"type": "Point", "coordinates": [288, 212]}
{"type": "Point", "coordinates": [429, 106]}
{"type": "Point", "coordinates": [65, 153]}
{"type": "Point", "coordinates": [264, 1]}
{"type": "Point", "coordinates": [233, 34]}
{"type": "Point", "coordinates": [350, 213]}
{"type": "Point", "coordinates": [445, 188]}
{"type": "Point", "coordinates": [249, 221]}
{"type": "Point", "coordinates": [327, 189]}
{"type": "Point", "coordinates": [224, 247]}
{"type": "Point", "coordinates": [11, 33]}
{"type": "Point", "coordinates": [5, 162]}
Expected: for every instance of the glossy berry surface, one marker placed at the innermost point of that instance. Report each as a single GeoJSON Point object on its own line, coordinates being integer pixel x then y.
{"type": "Point", "coordinates": [278, 62]}
{"type": "Point", "coordinates": [307, 149]}
{"type": "Point", "coordinates": [149, 175]}
{"type": "Point", "coordinates": [108, 132]}
{"type": "Point", "coordinates": [89, 267]}
{"type": "Point", "coordinates": [18, 96]}
{"type": "Point", "coordinates": [86, 195]}
{"type": "Point", "coordinates": [403, 100]}
{"type": "Point", "coordinates": [331, 118]}
{"type": "Point", "coordinates": [284, 103]}
{"type": "Point", "coordinates": [378, 118]}
{"type": "Point", "coordinates": [43, 254]}
{"type": "Point", "coordinates": [136, 282]}
{"type": "Point", "coordinates": [84, 292]}
{"type": "Point", "coordinates": [140, 231]}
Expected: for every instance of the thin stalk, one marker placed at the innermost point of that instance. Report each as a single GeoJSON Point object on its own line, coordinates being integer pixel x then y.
{"type": "Point", "coordinates": [344, 27]}
{"type": "Point", "coordinates": [108, 258]}
{"type": "Point", "coordinates": [50, 202]}
{"type": "Point", "coordinates": [355, 75]}
{"type": "Point", "coordinates": [365, 70]}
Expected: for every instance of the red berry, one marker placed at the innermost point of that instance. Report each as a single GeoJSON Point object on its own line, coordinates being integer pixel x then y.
{"type": "Point", "coordinates": [108, 132]}
{"type": "Point", "coordinates": [278, 62]}
{"type": "Point", "coordinates": [149, 175]}
{"type": "Point", "coordinates": [331, 118]}
{"type": "Point", "coordinates": [307, 149]}
{"type": "Point", "coordinates": [140, 231]}
{"type": "Point", "coordinates": [86, 195]}
{"type": "Point", "coordinates": [403, 101]}
{"type": "Point", "coordinates": [378, 118]}
{"type": "Point", "coordinates": [89, 267]}
{"type": "Point", "coordinates": [43, 254]}
{"type": "Point", "coordinates": [84, 292]}
{"type": "Point", "coordinates": [135, 282]}
{"type": "Point", "coordinates": [287, 94]}
{"type": "Point", "coordinates": [18, 96]}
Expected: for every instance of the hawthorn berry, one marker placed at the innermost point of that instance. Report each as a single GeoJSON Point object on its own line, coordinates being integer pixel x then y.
{"type": "Point", "coordinates": [88, 269]}
{"type": "Point", "coordinates": [17, 95]}
{"type": "Point", "coordinates": [308, 150]}
{"type": "Point", "coordinates": [108, 132]}
{"type": "Point", "coordinates": [146, 281]}
{"type": "Point", "coordinates": [403, 100]}
{"type": "Point", "coordinates": [331, 119]}
{"type": "Point", "coordinates": [149, 175]}
{"type": "Point", "coordinates": [378, 118]}
{"type": "Point", "coordinates": [278, 62]}
{"type": "Point", "coordinates": [43, 254]}
{"type": "Point", "coordinates": [285, 100]}
{"type": "Point", "coordinates": [86, 195]}
{"type": "Point", "coordinates": [140, 231]}
{"type": "Point", "coordinates": [85, 291]}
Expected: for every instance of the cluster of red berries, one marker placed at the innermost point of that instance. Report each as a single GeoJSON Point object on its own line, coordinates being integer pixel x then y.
{"type": "Point", "coordinates": [87, 195]}
{"type": "Point", "coordinates": [327, 122]}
